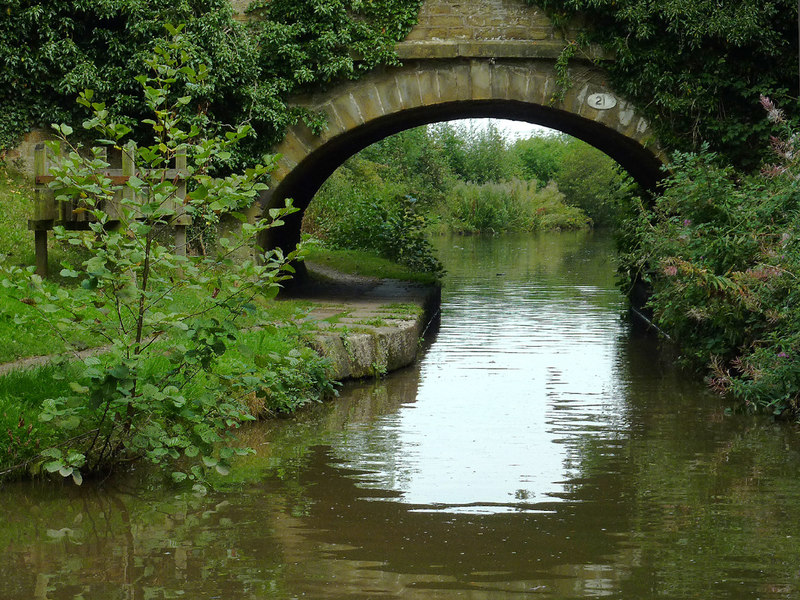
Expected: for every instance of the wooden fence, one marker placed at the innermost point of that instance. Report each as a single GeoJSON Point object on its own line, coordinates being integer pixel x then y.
{"type": "Point", "coordinates": [49, 212]}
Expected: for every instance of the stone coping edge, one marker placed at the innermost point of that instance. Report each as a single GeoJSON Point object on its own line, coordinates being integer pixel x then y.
{"type": "Point", "coordinates": [381, 350]}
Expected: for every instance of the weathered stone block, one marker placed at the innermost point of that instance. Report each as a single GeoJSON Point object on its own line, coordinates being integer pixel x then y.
{"type": "Point", "coordinates": [500, 82]}
{"type": "Point", "coordinates": [369, 101]}
{"type": "Point", "coordinates": [389, 94]}
{"type": "Point", "coordinates": [21, 157]}
{"type": "Point", "coordinates": [625, 112]}
{"type": "Point", "coordinates": [419, 34]}
{"type": "Point", "coordinates": [481, 78]}
{"type": "Point", "coordinates": [448, 20]}
{"type": "Point", "coordinates": [348, 110]}
{"type": "Point", "coordinates": [408, 86]}
{"type": "Point", "coordinates": [335, 123]}
{"type": "Point", "coordinates": [293, 149]}
{"type": "Point", "coordinates": [541, 88]}
{"type": "Point", "coordinates": [429, 87]}
{"type": "Point", "coordinates": [518, 83]}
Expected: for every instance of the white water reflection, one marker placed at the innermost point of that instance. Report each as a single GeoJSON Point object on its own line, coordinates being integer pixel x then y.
{"type": "Point", "coordinates": [517, 373]}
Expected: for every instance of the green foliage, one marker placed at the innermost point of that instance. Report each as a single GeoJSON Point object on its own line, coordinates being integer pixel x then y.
{"type": "Point", "coordinates": [593, 182]}
{"type": "Point", "coordinates": [589, 179]}
{"type": "Point", "coordinates": [722, 254]}
{"type": "Point", "coordinates": [275, 372]}
{"type": "Point", "coordinates": [539, 157]}
{"type": "Point", "coordinates": [415, 161]}
{"type": "Point", "coordinates": [16, 195]}
{"type": "Point", "coordinates": [510, 206]}
{"type": "Point", "coordinates": [51, 51]}
{"type": "Point", "coordinates": [476, 154]}
{"type": "Point", "coordinates": [21, 397]}
{"type": "Point", "coordinates": [134, 400]}
{"type": "Point", "coordinates": [695, 67]}
{"type": "Point", "coordinates": [365, 264]}
{"type": "Point", "coordinates": [355, 209]}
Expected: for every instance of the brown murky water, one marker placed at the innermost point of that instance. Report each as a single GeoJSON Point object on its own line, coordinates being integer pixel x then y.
{"type": "Point", "coordinates": [540, 450]}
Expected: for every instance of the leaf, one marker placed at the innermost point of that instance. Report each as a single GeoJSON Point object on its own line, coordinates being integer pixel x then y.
{"type": "Point", "coordinates": [53, 466]}
{"type": "Point", "coordinates": [135, 182]}
{"type": "Point", "coordinates": [70, 422]}
{"type": "Point", "coordinates": [178, 476]}
{"type": "Point", "coordinates": [78, 388]}
{"type": "Point", "coordinates": [120, 372]}
{"type": "Point", "coordinates": [210, 461]}
{"type": "Point", "coordinates": [77, 477]}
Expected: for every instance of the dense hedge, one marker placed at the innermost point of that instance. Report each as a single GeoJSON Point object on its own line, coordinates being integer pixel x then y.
{"type": "Point", "coordinates": [51, 51]}
{"type": "Point", "coordinates": [696, 67]}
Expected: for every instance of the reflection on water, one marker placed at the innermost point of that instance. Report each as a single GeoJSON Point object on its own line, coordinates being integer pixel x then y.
{"type": "Point", "coordinates": [522, 365]}
{"type": "Point", "coordinates": [540, 449]}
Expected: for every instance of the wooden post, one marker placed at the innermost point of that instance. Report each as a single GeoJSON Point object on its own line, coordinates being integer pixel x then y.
{"type": "Point", "coordinates": [44, 209]}
{"type": "Point", "coordinates": [40, 245]}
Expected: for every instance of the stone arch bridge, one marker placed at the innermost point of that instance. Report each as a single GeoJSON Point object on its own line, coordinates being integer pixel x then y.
{"type": "Point", "coordinates": [464, 58]}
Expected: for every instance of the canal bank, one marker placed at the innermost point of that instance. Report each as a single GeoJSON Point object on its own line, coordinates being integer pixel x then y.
{"type": "Point", "coordinates": [365, 326]}
{"type": "Point", "coordinates": [539, 447]}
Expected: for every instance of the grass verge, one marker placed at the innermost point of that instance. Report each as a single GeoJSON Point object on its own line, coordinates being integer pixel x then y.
{"type": "Point", "coordinates": [290, 375]}
{"type": "Point", "coordinates": [366, 264]}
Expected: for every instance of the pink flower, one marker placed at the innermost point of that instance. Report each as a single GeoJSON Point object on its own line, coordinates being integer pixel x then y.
{"type": "Point", "coordinates": [670, 270]}
{"type": "Point", "coordinates": [772, 171]}
{"type": "Point", "coordinates": [774, 114]}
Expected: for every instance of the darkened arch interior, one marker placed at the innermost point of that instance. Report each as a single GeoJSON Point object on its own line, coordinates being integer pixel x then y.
{"type": "Point", "coordinates": [303, 182]}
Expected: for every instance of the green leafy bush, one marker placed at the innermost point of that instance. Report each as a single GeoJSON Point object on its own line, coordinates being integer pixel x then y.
{"type": "Point", "coordinates": [53, 50]}
{"type": "Point", "coordinates": [511, 206]}
{"type": "Point", "coordinates": [137, 399]}
{"type": "Point", "coordinates": [693, 67]}
{"type": "Point", "coordinates": [588, 178]}
{"type": "Point", "coordinates": [721, 251]}
{"type": "Point", "coordinates": [357, 210]}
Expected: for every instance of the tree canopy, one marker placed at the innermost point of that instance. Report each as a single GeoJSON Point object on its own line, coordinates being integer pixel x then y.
{"type": "Point", "coordinates": [50, 52]}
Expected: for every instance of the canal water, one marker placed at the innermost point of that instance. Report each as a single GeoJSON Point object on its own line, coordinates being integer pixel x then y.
{"type": "Point", "coordinates": [540, 449]}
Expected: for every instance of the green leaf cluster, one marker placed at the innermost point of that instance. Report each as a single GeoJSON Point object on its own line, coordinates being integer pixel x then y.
{"type": "Point", "coordinates": [140, 398]}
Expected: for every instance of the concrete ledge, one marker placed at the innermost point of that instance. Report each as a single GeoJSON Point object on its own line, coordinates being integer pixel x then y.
{"type": "Point", "coordinates": [354, 355]}
{"type": "Point", "coordinates": [367, 327]}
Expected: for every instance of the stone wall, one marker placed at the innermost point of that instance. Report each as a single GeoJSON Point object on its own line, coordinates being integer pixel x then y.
{"type": "Point", "coordinates": [481, 20]}
{"type": "Point", "coordinates": [474, 20]}
{"type": "Point", "coordinates": [21, 157]}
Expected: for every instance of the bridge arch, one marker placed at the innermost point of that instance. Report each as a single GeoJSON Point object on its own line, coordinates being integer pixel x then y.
{"type": "Point", "coordinates": [460, 71]}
